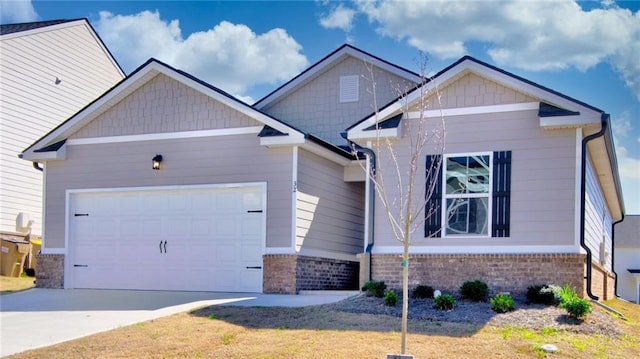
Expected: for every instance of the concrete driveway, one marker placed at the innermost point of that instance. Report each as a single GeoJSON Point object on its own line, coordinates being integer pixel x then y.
{"type": "Point", "coordinates": [41, 317]}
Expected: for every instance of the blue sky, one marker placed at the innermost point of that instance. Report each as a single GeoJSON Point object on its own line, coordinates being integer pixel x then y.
{"type": "Point", "coordinates": [587, 50]}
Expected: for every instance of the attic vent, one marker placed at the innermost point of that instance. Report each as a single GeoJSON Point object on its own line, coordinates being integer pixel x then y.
{"type": "Point", "coordinates": [349, 88]}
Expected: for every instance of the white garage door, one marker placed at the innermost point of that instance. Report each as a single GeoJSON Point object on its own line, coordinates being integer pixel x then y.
{"type": "Point", "coordinates": [200, 239]}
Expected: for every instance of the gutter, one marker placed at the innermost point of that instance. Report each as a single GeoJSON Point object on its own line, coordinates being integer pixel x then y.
{"type": "Point", "coordinates": [613, 255]}
{"type": "Point", "coordinates": [583, 185]}
{"type": "Point", "coordinates": [36, 165]}
{"type": "Point", "coordinates": [371, 195]}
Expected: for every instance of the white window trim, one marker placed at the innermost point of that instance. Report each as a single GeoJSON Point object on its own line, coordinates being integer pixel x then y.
{"type": "Point", "coordinates": [445, 197]}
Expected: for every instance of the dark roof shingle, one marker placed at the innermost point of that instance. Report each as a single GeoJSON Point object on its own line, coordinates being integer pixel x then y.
{"type": "Point", "coordinates": [6, 29]}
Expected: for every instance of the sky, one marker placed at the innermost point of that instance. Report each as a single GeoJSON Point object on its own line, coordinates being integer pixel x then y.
{"type": "Point", "coordinates": [588, 50]}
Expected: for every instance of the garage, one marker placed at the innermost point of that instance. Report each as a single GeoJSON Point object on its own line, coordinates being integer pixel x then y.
{"type": "Point", "coordinates": [193, 238]}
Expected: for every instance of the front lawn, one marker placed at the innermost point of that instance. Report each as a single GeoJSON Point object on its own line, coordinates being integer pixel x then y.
{"type": "Point", "coordinates": [321, 332]}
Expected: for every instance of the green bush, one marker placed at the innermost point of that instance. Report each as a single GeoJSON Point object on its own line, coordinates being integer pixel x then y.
{"type": "Point", "coordinates": [576, 307]}
{"type": "Point", "coordinates": [422, 292]}
{"type": "Point", "coordinates": [543, 294]}
{"type": "Point", "coordinates": [567, 294]}
{"type": "Point", "coordinates": [375, 288]}
{"type": "Point", "coordinates": [390, 298]}
{"type": "Point", "coordinates": [502, 303]}
{"type": "Point", "coordinates": [476, 290]}
{"type": "Point", "coordinates": [444, 302]}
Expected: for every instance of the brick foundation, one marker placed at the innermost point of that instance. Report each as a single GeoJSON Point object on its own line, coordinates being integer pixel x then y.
{"type": "Point", "coordinates": [502, 272]}
{"type": "Point", "coordinates": [50, 272]}
{"type": "Point", "coordinates": [602, 283]}
{"type": "Point", "coordinates": [290, 274]}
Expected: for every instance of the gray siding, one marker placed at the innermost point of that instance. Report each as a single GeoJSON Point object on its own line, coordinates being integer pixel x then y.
{"type": "Point", "coordinates": [473, 90]}
{"type": "Point", "coordinates": [208, 160]}
{"type": "Point", "coordinates": [315, 107]}
{"type": "Point", "coordinates": [597, 226]}
{"type": "Point", "coordinates": [329, 211]}
{"type": "Point", "coordinates": [542, 185]}
{"type": "Point", "coordinates": [164, 105]}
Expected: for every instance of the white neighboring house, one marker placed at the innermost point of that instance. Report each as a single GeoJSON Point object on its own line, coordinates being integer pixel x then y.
{"type": "Point", "coordinates": [48, 71]}
{"type": "Point", "coordinates": [627, 258]}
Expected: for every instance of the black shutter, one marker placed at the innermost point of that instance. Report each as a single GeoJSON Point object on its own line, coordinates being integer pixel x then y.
{"type": "Point", "coordinates": [501, 194]}
{"type": "Point", "coordinates": [433, 209]}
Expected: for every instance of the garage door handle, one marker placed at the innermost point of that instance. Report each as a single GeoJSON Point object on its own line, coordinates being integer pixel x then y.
{"type": "Point", "coordinates": [163, 245]}
{"type": "Point", "coordinates": [254, 267]}
{"type": "Point", "coordinates": [81, 265]}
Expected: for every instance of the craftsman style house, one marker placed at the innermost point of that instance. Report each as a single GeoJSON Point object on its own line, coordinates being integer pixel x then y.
{"type": "Point", "coordinates": [173, 179]}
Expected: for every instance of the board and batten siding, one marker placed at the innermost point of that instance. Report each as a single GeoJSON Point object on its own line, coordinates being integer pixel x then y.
{"type": "Point", "coordinates": [33, 104]}
{"type": "Point", "coordinates": [190, 161]}
{"type": "Point", "coordinates": [598, 222]}
{"type": "Point", "coordinates": [315, 107]}
{"type": "Point", "coordinates": [329, 211]}
{"type": "Point", "coordinates": [542, 184]}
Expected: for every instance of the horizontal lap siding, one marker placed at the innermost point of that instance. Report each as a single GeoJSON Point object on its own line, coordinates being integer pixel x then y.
{"type": "Point", "coordinates": [329, 214]}
{"type": "Point", "coordinates": [32, 104]}
{"type": "Point", "coordinates": [542, 184]}
{"type": "Point", "coordinates": [208, 160]}
{"type": "Point", "coordinates": [597, 226]}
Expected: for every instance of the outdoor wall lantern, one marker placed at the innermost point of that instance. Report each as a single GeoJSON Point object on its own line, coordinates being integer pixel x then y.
{"type": "Point", "coordinates": [156, 162]}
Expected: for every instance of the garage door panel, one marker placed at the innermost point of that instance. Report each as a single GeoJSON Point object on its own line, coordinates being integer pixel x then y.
{"type": "Point", "coordinates": [186, 239]}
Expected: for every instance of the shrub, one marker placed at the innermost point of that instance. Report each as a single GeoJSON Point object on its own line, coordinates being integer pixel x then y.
{"type": "Point", "coordinates": [375, 288]}
{"type": "Point", "coordinates": [476, 290]}
{"type": "Point", "coordinates": [543, 294]}
{"type": "Point", "coordinates": [422, 292]}
{"type": "Point", "coordinates": [567, 294]}
{"type": "Point", "coordinates": [444, 302]}
{"type": "Point", "coordinates": [390, 298]}
{"type": "Point", "coordinates": [576, 307]}
{"type": "Point", "coordinates": [502, 303]}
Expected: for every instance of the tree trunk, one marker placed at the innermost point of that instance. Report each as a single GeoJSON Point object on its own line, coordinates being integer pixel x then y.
{"type": "Point", "coordinates": [405, 295]}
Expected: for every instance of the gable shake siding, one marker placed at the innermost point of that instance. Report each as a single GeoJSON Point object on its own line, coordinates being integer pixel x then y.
{"type": "Point", "coordinates": [542, 180]}
{"type": "Point", "coordinates": [164, 105]}
{"type": "Point", "coordinates": [473, 90]}
{"type": "Point", "coordinates": [315, 107]}
{"type": "Point", "coordinates": [329, 211]}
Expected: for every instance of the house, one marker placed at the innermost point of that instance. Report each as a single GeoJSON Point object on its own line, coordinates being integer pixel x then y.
{"type": "Point", "coordinates": [167, 182]}
{"type": "Point", "coordinates": [627, 258]}
{"type": "Point", "coordinates": [526, 193]}
{"type": "Point", "coordinates": [48, 71]}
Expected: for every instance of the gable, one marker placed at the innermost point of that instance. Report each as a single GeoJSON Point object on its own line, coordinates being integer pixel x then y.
{"type": "Point", "coordinates": [164, 105]}
{"type": "Point", "coordinates": [472, 90]}
{"type": "Point", "coordinates": [300, 108]}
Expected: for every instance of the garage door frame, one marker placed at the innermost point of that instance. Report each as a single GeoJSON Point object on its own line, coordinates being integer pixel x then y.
{"type": "Point", "coordinates": [70, 193]}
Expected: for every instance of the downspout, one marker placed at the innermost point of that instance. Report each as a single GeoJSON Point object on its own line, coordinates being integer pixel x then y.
{"type": "Point", "coordinates": [613, 254]}
{"type": "Point", "coordinates": [583, 185]}
{"type": "Point", "coordinates": [372, 194]}
{"type": "Point", "coordinates": [36, 165]}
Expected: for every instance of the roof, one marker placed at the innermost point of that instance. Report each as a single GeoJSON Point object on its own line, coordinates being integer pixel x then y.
{"type": "Point", "coordinates": [328, 61]}
{"type": "Point", "coordinates": [6, 29]}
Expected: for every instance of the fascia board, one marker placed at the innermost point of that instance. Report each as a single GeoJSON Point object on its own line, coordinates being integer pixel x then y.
{"type": "Point", "coordinates": [281, 141]}
{"type": "Point", "coordinates": [60, 154]}
{"type": "Point", "coordinates": [325, 153]}
{"type": "Point", "coordinates": [384, 133]}
{"type": "Point", "coordinates": [568, 121]}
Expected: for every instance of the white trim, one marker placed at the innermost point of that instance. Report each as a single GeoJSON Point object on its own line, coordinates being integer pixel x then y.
{"type": "Point", "coordinates": [367, 204]}
{"type": "Point", "coordinates": [474, 110]}
{"type": "Point", "coordinates": [294, 196]}
{"type": "Point", "coordinates": [327, 254]}
{"type": "Point", "coordinates": [165, 136]}
{"type": "Point", "coordinates": [577, 187]}
{"type": "Point", "coordinates": [62, 251]}
{"type": "Point", "coordinates": [381, 133]}
{"type": "Point", "coordinates": [568, 121]}
{"type": "Point", "coordinates": [489, 249]}
{"type": "Point", "coordinates": [60, 154]}
{"type": "Point", "coordinates": [489, 196]}
{"type": "Point", "coordinates": [279, 250]}
{"type": "Point", "coordinates": [281, 141]}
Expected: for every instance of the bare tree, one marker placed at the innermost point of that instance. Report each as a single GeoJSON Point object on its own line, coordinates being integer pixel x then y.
{"type": "Point", "coordinates": [398, 179]}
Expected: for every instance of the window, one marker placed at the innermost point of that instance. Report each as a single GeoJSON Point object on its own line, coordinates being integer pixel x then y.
{"type": "Point", "coordinates": [349, 88]}
{"type": "Point", "coordinates": [467, 191]}
{"type": "Point", "coordinates": [471, 197]}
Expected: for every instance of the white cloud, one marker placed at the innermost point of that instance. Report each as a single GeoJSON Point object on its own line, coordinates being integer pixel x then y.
{"type": "Point", "coordinates": [17, 11]}
{"type": "Point", "coordinates": [621, 125]}
{"type": "Point", "coordinates": [340, 17]}
{"type": "Point", "coordinates": [532, 35]}
{"type": "Point", "coordinates": [229, 56]}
